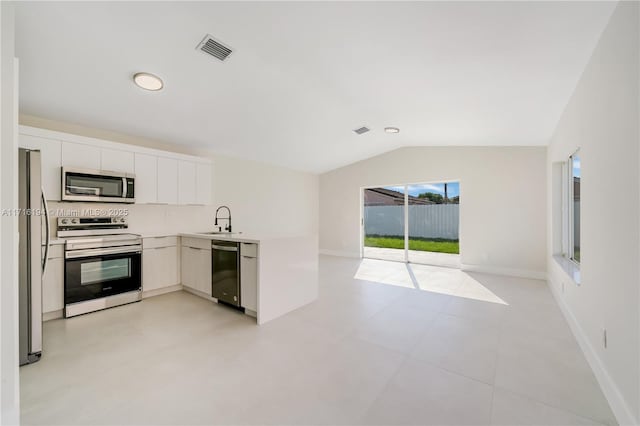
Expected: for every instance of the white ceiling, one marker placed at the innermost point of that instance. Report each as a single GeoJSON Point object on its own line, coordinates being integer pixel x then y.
{"type": "Point", "coordinates": [303, 75]}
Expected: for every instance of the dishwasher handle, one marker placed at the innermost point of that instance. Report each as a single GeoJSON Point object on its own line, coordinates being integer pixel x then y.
{"type": "Point", "coordinates": [224, 248]}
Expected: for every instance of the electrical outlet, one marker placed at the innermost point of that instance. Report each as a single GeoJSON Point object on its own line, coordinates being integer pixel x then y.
{"type": "Point", "coordinates": [604, 338]}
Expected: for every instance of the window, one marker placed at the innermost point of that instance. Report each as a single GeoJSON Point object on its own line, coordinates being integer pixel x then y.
{"type": "Point", "coordinates": [573, 219]}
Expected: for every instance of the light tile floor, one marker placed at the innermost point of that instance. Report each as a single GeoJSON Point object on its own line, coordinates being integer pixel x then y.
{"type": "Point", "coordinates": [397, 345]}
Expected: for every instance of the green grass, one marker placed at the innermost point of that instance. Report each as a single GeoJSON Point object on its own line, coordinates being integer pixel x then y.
{"type": "Point", "coordinates": [421, 244]}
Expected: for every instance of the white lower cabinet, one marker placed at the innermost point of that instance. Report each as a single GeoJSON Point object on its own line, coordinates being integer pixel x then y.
{"type": "Point", "coordinates": [249, 276]}
{"type": "Point", "coordinates": [196, 268]}
{"type": "Point", "coordinates": [53, 283]}
{"type": "Point", "coordinates": [160, 263]}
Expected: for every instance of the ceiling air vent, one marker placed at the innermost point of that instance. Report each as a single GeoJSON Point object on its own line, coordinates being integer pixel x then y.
{"type": "Point", "coordinates": [212, 47]}
{"type": "Point", "coordinates": [361, 130]}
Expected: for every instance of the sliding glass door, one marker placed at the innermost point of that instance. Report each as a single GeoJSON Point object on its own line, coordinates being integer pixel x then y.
{"type": "Point", "coordinates": [416, 223]}
{"type": "Point", "coordinates": [383, 222]}
{"type": "Point", "coordinates": [433, 220]}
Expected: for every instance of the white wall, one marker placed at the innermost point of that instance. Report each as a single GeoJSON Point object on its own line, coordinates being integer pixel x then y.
{"type": "Point", "coordinates": [9, 387]}
{"type": "Point", "coordinates": [264, 199]}
{"type": "Point", "coordinates": [601, 119]}
{"type": "Point", "coordinates": [502, 201]}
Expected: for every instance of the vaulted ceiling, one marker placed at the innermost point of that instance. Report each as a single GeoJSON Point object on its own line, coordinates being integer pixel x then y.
{"type": "Point", "coordinates": [303, 75]}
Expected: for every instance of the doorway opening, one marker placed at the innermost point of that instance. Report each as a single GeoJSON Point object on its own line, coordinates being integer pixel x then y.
{"type": "Point", "coordinates": [417, 223]}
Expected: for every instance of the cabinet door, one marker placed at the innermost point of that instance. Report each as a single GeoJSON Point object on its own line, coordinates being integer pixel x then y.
{"type": "Point", "coordinates": [117, 161]}
{"type": "Point", "coordinates": [204, 176]}
{"type": "Point", "coordinates": [167, 180]}
{"type": "Point", "coordinates": [159, 268]}
{"type": "Point", "coordinates": [186, 182]}
{"type": "Point", "coordinates": [146, 170]}
{"type": "Point", "coordinates": [80, 156]}
{"type": "Point", "coordinates": [149, 270]}
{"type": "Point", "coordinates": [168, 258]}
{"type": "Point", "coordinates": [51, 156]}
{"type": "Point", "coordinates": [53, 286]}
{"type": "Point", "coordinates": [249, 283]}
{"type": "Point", "coordinates": [203, 271]}
{"type": "Point", "coordinates": [188, 261]}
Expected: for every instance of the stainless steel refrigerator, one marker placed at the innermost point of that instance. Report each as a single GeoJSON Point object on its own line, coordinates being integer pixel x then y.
{"type": "Point", "coordinates": [33, 252]}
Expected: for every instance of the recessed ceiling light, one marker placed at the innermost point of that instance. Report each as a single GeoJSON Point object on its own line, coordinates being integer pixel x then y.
{"type": "Point", "coordinates": [148, 81]}
{"type": "Point", "coordinates": [392, 130]}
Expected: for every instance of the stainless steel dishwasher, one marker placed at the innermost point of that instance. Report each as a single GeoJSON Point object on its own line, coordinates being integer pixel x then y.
{"type": "Point", "coordinates": [225, 272]}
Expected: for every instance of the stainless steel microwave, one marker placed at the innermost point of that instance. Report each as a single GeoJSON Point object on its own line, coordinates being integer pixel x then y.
{"type": "Point", "coordinates": [97, 186]}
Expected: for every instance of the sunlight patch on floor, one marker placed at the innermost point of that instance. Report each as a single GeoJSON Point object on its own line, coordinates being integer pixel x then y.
{"type": "Point", "coordinates": [453, 282]}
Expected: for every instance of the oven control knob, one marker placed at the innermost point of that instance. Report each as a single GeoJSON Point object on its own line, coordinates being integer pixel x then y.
{"type": "Point", "coordinates": [65, 221]}
{"type": "Point", "coordinates": [76, 221]}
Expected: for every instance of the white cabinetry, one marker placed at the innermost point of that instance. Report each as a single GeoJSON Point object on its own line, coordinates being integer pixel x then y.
{"type": "Point", "coordinates": [53, 283]}
{"type": "Point", "coordinates": [167, 180]}
{"type": "Point", "coordinates": [146, 170]}
{"type": "Point", "coordinates": [203, 183]}
{"type": "Point", "coordinates": [117, 161]}
{"type": "Point", "coordinates": [196, 264]}
{"type": "Point", "coordinates": [161, 176]}
{"type": "Point", "coordinates": [51, 154]}
{"type": "Point", "coordinates": [80, 156]}
{"type": "Point", "coordinates": [160, 263]}
{"type": "Point", "coordinates": [249, 276]}
{"type": "Point", "coordinates": [186, 182]}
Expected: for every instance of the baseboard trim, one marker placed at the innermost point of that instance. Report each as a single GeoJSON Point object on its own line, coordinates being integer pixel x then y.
{"type": "Point", "coordinates": [620, 409]}
{"type": "Point", "coordinates": [198, 293]}
{"type": "Point", "coordinates": [48, 316]}
{"type": "Point", "coordinates": [509, 272]}
{"type": "Point", "coordinates": [163, 290]}
{"type": "Point", "coordinates": [339, 253]}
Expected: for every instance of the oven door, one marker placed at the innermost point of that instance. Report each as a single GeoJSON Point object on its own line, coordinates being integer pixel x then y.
{"type": "Point", "coordinates": [93, 274]}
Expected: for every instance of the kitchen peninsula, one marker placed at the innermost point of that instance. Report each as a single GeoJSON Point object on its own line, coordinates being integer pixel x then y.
{"type": "Point", "coordinates": [279, 273]}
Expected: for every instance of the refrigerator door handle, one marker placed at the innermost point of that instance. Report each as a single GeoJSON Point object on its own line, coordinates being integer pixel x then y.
{"type": "Point", "coordinates": [45, 261]}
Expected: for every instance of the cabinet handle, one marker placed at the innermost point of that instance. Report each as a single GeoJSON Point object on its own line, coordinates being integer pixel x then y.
{"type": "Point", "coordinates": [248, 257]}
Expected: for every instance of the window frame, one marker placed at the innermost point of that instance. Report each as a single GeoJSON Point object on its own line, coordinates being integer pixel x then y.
{"type": "Point", "coordinates": [569, 216]}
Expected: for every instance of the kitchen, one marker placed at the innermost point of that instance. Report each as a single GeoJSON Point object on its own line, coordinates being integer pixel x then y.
{"type": "Point", "coordinates": [155, 261]}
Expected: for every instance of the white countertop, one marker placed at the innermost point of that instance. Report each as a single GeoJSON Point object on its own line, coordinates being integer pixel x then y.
{"type": "Point", "coordinates": [159, 234]}
{"type": "Point", "coordinates": [239, 237]}
{"type": "Point", "coordinates": [236, 236]}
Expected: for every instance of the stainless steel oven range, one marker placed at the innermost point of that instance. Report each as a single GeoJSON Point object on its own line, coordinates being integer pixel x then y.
{"type": "Point", "coordinates": [103, 264]}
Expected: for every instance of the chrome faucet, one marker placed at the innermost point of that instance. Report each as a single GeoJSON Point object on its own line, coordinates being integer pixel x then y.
{"type": "Point", "coordinates": [228, 227]}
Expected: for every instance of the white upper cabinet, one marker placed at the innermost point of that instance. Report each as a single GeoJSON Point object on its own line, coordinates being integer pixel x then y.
{"type": "Point", "coordinates": [146, 170]}
{"type": "Point", "coordinates": [161, 176]}
{"type": "Point", "coordinates": [51, 154]}
{"type": "Point", "coordinates": [167, 180]}
{"type": "Point", "coordinates": [204, 183]}
{"type": "Point", "coordinates": [117, 161]}
{"type": "Point", "coordinates": [186, 182]}
{"type": "Point", "coordinates": [80, 156]}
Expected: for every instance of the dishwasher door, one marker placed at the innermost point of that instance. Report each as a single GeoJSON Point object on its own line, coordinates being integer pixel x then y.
{"type": "Point", "coordinates": [225, 272]}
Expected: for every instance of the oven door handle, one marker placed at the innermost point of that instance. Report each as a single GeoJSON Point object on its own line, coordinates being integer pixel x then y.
{"type": "Point", "coordinates": [101, 252]}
